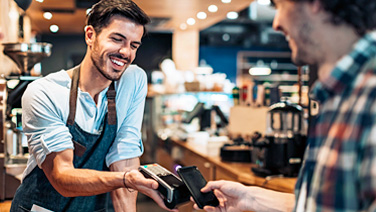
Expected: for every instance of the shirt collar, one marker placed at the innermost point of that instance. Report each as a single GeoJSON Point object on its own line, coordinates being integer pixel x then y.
{"type": "Point", "coordinates": [69, 83]}
{"type": "Point", "coordinates": [346, 69]}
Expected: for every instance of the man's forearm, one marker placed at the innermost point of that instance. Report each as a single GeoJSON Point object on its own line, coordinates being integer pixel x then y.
{"type": "Point", "coordinates": [124, 199]}
{"type": "Point", "coordinates": [271, 201]}
{"type": "Point", "coordinates": [70, 181]}
{"type": "Point", "coordinates": [85, 182]}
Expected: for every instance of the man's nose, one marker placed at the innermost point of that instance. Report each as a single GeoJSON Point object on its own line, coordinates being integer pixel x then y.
{"type": "Point", "coordinates": [276, 22]}
{"type": "Point", "coordinates": [125, 51]}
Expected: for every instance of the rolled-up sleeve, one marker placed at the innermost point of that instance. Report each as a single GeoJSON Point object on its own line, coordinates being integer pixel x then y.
{"type": "Point", "coordinates": [128, 142]}
{"type": "Point", "coordinates": [42, 123]}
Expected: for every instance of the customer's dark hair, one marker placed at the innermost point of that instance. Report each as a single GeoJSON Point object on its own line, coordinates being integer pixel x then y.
{"type": "Point", "coordinates": [360, 14]}
{"type": "Point", "coordinates": [101, 12]}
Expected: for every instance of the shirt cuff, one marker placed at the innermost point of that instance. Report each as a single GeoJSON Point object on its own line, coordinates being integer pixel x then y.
{"type": "Point", "coordinates": [43, 146]}
{"type": "Point", "coordinates": [124, 151]}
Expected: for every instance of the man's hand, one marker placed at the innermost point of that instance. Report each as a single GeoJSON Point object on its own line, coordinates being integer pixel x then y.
{"type": "Point", "coordinates": [232, 196]}
{"type": "Point", "coordinates": [135, 180]}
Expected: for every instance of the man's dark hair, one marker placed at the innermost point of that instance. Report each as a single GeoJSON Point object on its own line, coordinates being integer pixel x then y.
{"type": "Point", "coordinates": [360, 14]}
{"type": "Point", "coordinates": [101, 13]}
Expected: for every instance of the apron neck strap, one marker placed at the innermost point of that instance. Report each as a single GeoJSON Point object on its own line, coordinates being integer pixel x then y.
{"type": "Point", "coordinates": [73, 95]}
{"type": "Point", "coordinates": [111, 95]}
{"type": "Point", "coordinates": [111, 104]}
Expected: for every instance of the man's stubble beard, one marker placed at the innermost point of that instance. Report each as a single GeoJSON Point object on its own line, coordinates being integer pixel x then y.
{"type": "Point", "coordinates": [99, 64]}
{"type": "Point", "coordinates": [306, 46]}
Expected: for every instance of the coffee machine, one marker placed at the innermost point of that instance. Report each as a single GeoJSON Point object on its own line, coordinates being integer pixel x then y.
{"type": "Point", "coordinates": [284, 142]}
{"type": "Point", "coordinates": [25, 55]}
{"type": "Point", "coordinates": [13, 149]}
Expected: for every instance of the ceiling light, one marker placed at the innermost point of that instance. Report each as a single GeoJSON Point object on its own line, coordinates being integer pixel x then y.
{"type": "Point", "coordinates": [201, 15]}
{"type": "Point", "coordinates": [54, 28]}
{"type": "Point", "coordinates": [232, 15]}
{"type": "Point", "coordinates": [259, 71]}
{"type": "Point", "coordinates": [39, 1]}
{"type": "Point", "coordinates": [226, 37]}
{"type": "Point", "coordinates": [212, 8]}
{"type": "Point", "coordinates": [226, 1]}
{"type": "Point", "coordinates": [263, 2]}
{"type": "Point", "coordinates": [183, 26]}
{"type": "Point", "coordinates": [191, 21]}
{"type": "Point", "coordinates": [47, 15]}
{"type": "Point", "coordinates": [274, 64]}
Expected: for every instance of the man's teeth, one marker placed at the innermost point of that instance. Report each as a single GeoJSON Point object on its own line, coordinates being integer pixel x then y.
{"type": "Point", "coordinates": [287, 38]}
{"type": "Point", "coordinates": [118, 62]}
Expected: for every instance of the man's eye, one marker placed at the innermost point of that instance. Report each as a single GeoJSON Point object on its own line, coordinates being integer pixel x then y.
{"type": "Point", "coordinates": [135, 46]}
{"type": "Point", "coordinates": [116, 39]}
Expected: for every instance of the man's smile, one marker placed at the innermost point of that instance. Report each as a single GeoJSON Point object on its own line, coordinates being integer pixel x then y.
{"type": "Point", "coordinates": [118, 62]}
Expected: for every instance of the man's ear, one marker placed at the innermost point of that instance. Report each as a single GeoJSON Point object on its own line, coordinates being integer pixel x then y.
{"type": "Point", "coordinates": [89, 35]}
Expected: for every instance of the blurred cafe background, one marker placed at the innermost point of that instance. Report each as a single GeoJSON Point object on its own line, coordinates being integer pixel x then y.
{"type": "Point", "coordinates": [223, 94]}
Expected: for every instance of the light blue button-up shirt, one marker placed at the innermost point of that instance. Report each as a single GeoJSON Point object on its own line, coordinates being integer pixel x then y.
{"type": "Point", "coordinates": [45, 110]}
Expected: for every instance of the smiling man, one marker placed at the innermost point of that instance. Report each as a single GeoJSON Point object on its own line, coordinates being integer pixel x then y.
{"type": "Point", "coordinates": [83, 125]}
{"type": "Point", "coordinates": [339, 169]}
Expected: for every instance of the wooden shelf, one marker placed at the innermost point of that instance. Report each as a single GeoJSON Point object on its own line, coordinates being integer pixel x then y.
{"type": "Point", "coordinates": [213, 168]}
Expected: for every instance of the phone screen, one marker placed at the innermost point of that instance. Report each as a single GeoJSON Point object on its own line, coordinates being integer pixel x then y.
{"type": "Point", "coordinates": [194, 180]}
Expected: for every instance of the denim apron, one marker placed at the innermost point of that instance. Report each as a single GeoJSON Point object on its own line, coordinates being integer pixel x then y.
{"type": "Point", "coordinates": [89, 153]}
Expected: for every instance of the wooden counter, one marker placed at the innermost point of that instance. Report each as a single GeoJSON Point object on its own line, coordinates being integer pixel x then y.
{"type": "Point", "coordinates": [174, 152]}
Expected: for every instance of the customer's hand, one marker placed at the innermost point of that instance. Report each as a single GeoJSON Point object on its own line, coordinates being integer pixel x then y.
{"type": "Point", "coordinates": [135, 180]}
{"type": "Point", "coordinates": [232, 196]}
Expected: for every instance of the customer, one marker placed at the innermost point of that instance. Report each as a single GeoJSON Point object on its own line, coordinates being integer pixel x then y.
{"type": "Point", "coordinates": [83, 125]}
{"type": "Point", "coordinates": [339, 171]}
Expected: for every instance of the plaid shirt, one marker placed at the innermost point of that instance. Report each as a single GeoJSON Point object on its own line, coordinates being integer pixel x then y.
{"type": "Point", "coordinates": [339, 171]}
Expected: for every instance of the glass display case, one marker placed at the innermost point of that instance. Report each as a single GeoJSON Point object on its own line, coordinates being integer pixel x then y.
{"type": "Point", "coordinates": [167, 115]}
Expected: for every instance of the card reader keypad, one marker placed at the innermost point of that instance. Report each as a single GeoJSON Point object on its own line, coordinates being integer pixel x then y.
{"type": "Point", "coordinates": [157, 170]}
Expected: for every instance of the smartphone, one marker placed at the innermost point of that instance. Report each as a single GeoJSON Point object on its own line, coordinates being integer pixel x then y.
{"type": "Point", "coordinates": [194, 180]}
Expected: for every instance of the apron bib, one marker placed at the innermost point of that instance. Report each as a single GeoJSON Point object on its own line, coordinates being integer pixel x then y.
{"type": "Point", "coordinates": [90, 151]}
